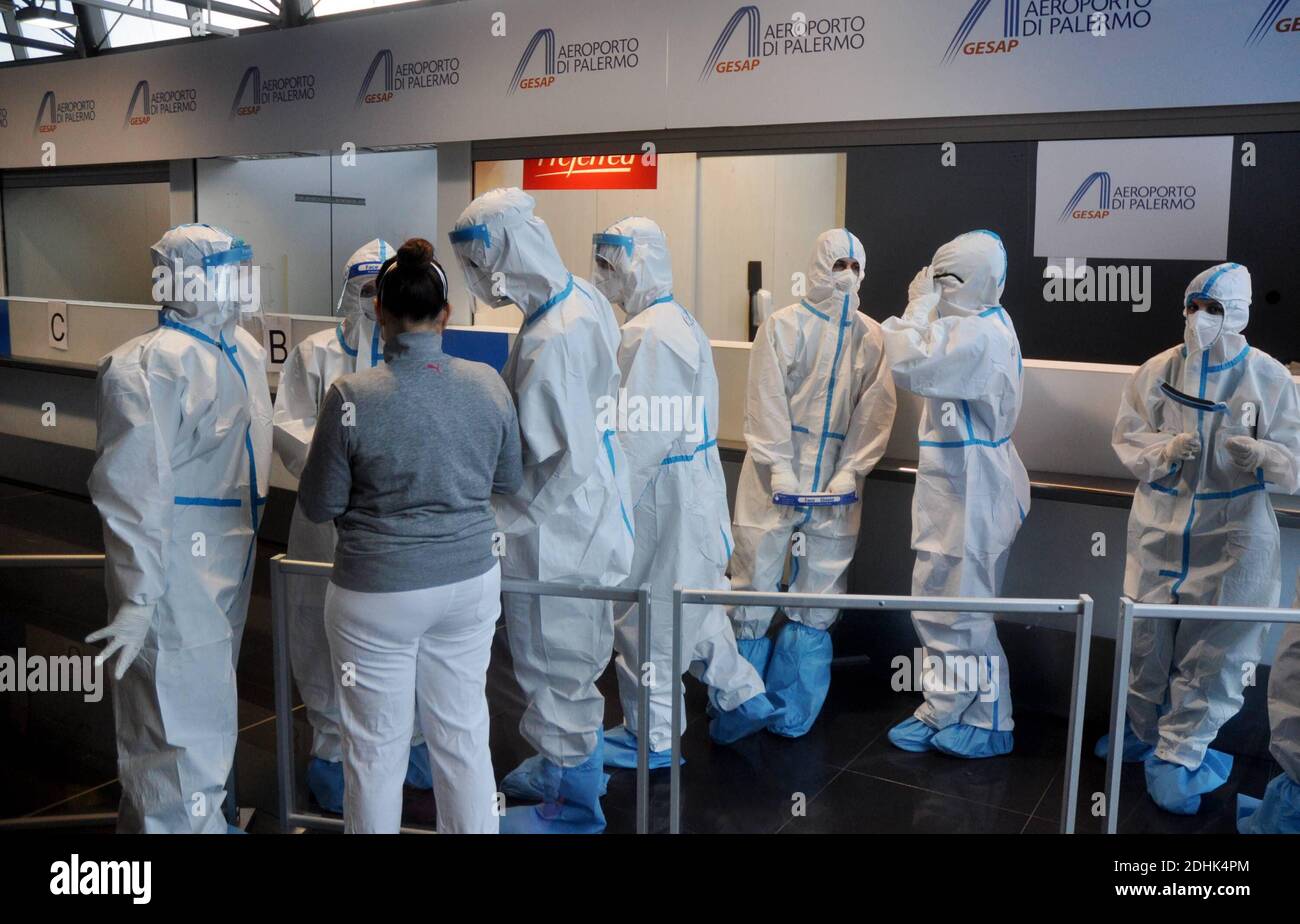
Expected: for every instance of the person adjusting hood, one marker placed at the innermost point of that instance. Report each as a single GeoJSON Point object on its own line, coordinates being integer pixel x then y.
{"type": "Point", "coordinates": [571, 520]}
{"type": "Point", "coordinates": [683, 530]}
{"type": "Point", "coordinates": [955, 348]}
{"type": "Point", "coordinates": [356, 342]}
{"type": "Point", "coordinates": [819, 408]}
{"type": "Point", "coordinates": [183, 450]}
{"type": "Point", "coordinates": [1208, 428]}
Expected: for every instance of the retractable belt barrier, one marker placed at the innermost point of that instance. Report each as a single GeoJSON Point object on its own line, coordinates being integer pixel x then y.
{"type": "Point", "coordinates": [280, 566]}
{"type": "Point", "coordinates": [1128, 612]}
{"type": "Point", "coordinates": [1080, 608]}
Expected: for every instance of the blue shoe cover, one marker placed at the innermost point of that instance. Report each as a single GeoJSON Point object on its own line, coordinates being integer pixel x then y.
{"type": "Point", "coordinates": [1277, 813]}
{"type": "Point", "coordinates": [231, 829]}
{"type": "Point", "coordinates": [525, 781]}
{"type": "Point", "coordinates": [1176, 789]}
{"type": "Point", "coordinates": [799, 676]}
{"type": "Point", "coordinates": [971, 742]}
{"type": "Point", "coordinates": [570, 800]}
{"type": "Point", "coordinates": [1136, 750]}
{"type": "Point", "coordinates": [913, 735]}
{"type": "Point", "coordinates": [751, 716]}
{"type": "Point", "coordinates": [418, 773]}
{"type": "Point", "coordinates": [325, 782]}
{"type": "Point", "coordinates": [620, 752]}
{"type": "Point", "coordinates": [757, 651]}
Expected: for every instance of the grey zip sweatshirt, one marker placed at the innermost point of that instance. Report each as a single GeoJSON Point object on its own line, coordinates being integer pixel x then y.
{"type": "Point", "coordinates": [404, 459]}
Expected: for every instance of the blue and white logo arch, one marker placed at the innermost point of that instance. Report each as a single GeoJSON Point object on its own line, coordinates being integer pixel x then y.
{"type": "Point", "coordinates": [982, 32]}
{"type": "Point", "coordinates": [745, 42]}
{"type": "Point", "coordinates": [1276, 18]}
{"type": "Point", "coordinates": [1098, 180]}
{"type": "Point", "coordinates": [255, 91]}
{"type": "Point", "coordinates": [546, 54]}
{"type": "Point", "coordinates": [51, 113]}
{"type": "Point", "coordinates": [146, 103]}
{"type": "Point", "coordinates": [386, 77]}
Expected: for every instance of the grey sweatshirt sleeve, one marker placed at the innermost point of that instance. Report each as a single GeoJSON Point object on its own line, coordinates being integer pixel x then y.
{"type": "Point", "coordinates": [326, 483]}
{"type": "Point", "coordinates": [510, 467]}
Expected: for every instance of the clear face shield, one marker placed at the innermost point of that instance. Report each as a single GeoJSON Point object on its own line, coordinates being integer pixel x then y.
{"type": "Point", "coordinates": [234, 283]}
{"type": "Point", "coordinates": [471, 248]}
{"type": "Point", "coordinates": [610, 252]}
{"type": "Point", "coordinates": [358, 295]}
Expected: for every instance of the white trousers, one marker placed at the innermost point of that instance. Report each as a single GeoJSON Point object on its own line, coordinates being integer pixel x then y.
{"type": "Point", "coordinates": [427, 649]}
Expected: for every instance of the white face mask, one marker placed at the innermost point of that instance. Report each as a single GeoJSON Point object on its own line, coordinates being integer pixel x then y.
{"type": "Point", "coordinates": [1202, 330]}
{"type": "Point", "coordinates": [845, 281]}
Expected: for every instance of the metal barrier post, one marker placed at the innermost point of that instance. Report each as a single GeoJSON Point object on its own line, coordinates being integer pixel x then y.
{"type": "Point", "coordinates": [284, 756]}
{"type": "Point", "coordinates": [1129, 613]}
{"type": "Point", "coordinates": [643, 707]}
{"type": "Point", "coordinates": [1118, 711]}
{"type": "Point", "coordinates": [1080, 608]}
{"type": "Point", "coordinates": [675, 771]}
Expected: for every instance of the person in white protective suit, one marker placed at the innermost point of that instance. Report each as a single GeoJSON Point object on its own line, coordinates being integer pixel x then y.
{"type": "Point", "coordinates": [183, 450]}
{"type": "Point", "coordinates": [1279, 811]}
{"type": "Point", "coordinates": [571, 520]}
{"type": "Point", "coordinates": [956, 348]}
{"type": "Point", "coordinates": [819, 408]}
{"type": "Point", "coordinates": [679, 493]}
{"type": "Point", "coordinates": [311, 367]}
{"type": "Point", "coordinates": [1208, 428]}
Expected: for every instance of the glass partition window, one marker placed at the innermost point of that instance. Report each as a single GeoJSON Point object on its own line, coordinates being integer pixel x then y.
{"type": "Point", "coordinates": [305, 216]}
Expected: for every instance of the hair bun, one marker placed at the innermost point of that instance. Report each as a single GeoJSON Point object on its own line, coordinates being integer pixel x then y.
{"type": "Point", "coordinates": [415, 253]}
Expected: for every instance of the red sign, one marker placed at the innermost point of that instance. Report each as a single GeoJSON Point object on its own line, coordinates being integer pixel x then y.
{"type": "Point", "coordinates": [607, 171]}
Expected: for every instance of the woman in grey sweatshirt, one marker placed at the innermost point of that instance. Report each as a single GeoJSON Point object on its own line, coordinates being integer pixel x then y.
{"type": "Point", "coordinates": [404, 459]}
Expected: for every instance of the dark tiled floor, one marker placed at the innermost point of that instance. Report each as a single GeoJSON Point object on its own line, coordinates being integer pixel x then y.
{"type": "Point", "coordinates": [842, 777]}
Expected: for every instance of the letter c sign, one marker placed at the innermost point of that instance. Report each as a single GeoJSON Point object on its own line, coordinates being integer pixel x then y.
{"type": "Point", "coordinates": [58, 325]}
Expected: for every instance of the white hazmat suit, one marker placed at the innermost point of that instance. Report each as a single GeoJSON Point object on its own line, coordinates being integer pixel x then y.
{"type": "Point", "coordinates": [819, 408]}
{"type": "Point", "coordinates": [666, 420]}
{"type": "Point", "coordinates": [571, 520]}
{"type": "Point", "coordinates": [183, 451]}
{"type": "Point", "coordinates": [956, 348]}
{"type": "Point", "coordinates": [1208, 428]}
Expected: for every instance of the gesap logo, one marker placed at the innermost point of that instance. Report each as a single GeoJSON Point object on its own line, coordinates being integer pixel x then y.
{"type": "Point", "coordinates": [145, 105]}
{"type": "Point", "coordinates": [1030, 18]}
{"type": "Point", "coordinates": [1272, 20]}
{"type": "Point", "coordinates": [254, 92]}
{"type": "Point", "coordinates": [424, 74]}
{"type": "Point", "coordinates": [1152, 197]}
{"type": "Point", "coordinates": [607, 171]}
{"type": "Point", "coordinates": [818, 35]}
{"type": "Point", "coordinates": [52, 113]}
{"type": "Point", "coordinates": [597, 55]}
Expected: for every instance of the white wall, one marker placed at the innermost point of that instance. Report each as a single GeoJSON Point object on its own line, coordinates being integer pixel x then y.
{"type": "Point", "coordinates": [768, 208]}
{"type": "Point", "coordinates": [84, 242]}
